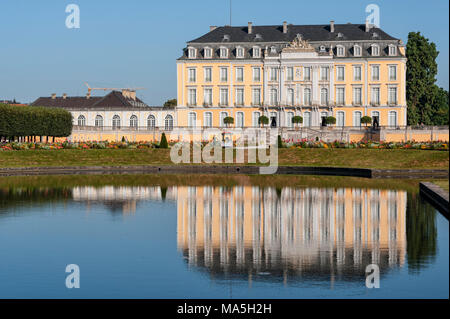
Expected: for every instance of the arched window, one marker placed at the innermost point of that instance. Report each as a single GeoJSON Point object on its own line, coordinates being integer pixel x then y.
{"type": "Point", "coordinates": [81, 120]}
{"type": "Point", "coordinates": [307, 96]}
{"type": "Point", "coordinates": [207, 119]}
{"type": "Point", "coordinates": [307, 119]}
{"type": "Point", "coordinates": [289, 117]}
{"type": "Point", "coordinates": [392, 119]}
{"type": "Point", "coordinates": [99, 121]}
{"type": "Point", "coordinates": [223, 115]}
{"type": "Point", "coordinates": [116, 122]}
{"type": "Point", "coordinates": [192, 119]}
{"type": "Point", "coordinates": [133, 121]}
{"type": "Point", "coordinates": [375, 50]}
{"type": "Point", "coordinates": [324, 96]}
{"type": "Point", "coordinates": [290, 96]}
{"type": "Point", "coordinates": [151, 121]}
{"type": "Point", "coordinates": [168, 123]}
{"type": "Point", "coordinates": [340, 120]}
{"type": "Point", "coordinates": [239, 119]}
{"type": "Point", "coordinates": [255, 119]}
{"type": "Point", "coordinates": [273, 96]}
{"type": "Point", "coordinates": [357, 50]}
{"type": "Point", "coordinates": [357, 118]}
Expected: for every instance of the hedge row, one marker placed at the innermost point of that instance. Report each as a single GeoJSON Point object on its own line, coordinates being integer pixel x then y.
{"type": "Point", "coordinates": [22, 121]}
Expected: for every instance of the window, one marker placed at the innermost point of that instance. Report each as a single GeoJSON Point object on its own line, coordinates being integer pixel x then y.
{"type": "Point", "coordinates": [239, 74]}
{"type": "Point", "coordinates": [340, 118]}
{"type": "Point", "coordinates": [356, 73]}
{"type": "Point", "coordinates": [290, 74]}
{"type": "Point", "coordinates": [151, 121]}
{"type": "Point", "coordinates": [357, 118]}
{"type": "Point", "coordinates": [290, 96]}
{"type": "Point", "coordinates": [324, 73]}
{"type": "Point", "coordinates": [307, 96]}
{"type": "Point", "coordinates": [256, 96]}
{"type": "Point", "coordinates": [392, 95]}
{"type": "Point", "coordinates": [240, 52]}
{"type": "Point", "coordinates": [256, 52]}
{"type": "Point", "coordinates": [256, 74]}
{"type": "Point", "coordinates": [307, 119]}
{"type": "Point", "coordinates": [208, 53]}
{"type": "Point", "coordinates": [273, 74]}
{"type": "Point", "coordinates": [324, 96]}
{"type": "Point", "coordinates": [192, 119]}
{"type": "Point", "coordinates": [340, 70]}
{"type": "Point", "coordinates": [99, 121]}
{"type": "Point", "coordinates": [133, 121]}
{"type": "Point", "coordinates": [192, 97]}
{"type": "Point", "coordinates": [116, 122]}
{"type": "Point", "coordinates": [207, 97]}
{"type": "Point", "coordinates": [208, 74]}
{"type": "Point", "coordinates": [357, 50]}
{"type": "Point", "coordinates": [223, 53]}
{"type": "Point", "coordinates": [192, 75]}
{"type": "Point", "coordinates": [255, 118]}
{"type": "Point", "coordinates": [340, 96]}
{"type": "Point", "coordinates": [307, 74]}
{"type": "Point", "coordinates": [376, 117]}
{"type": "Point", "coordinates": [357, 96]}
{"type": "Point", "coordinates": [191, 53]}
{"type": "Point", "coordinates": [340, 50]}
{"type": "Point", "coordinates": [375, 72]}
{"type": "Point", "coordinates": [392, 118]}
{"type": "Point", "coordinates": [392, 50]}
{"type": "Point", "coordinates": [168, 123]}
{"type": "Point", "coordinates": [223, 115]}
{"type": "Point", "coordinates": [224, 97]}
{"type": "Point", "coordinates": [82, 120]}
{"type": "Point", "coordinates": [375, 98]}
{"type": "Point", "coordinates": [273, 49]}
{"type": "Point", "coordinates": [273, 96]}
{"type": "Point", "coordinates": [392, 73]}
{"type": "Point", "coordinates": [207, 119]}
{"type": "Point", "coordinates": [375, 50]}
{"type": "Point", "coordinates": [224, 74]}
{"type": "Point", "coordinates": [239, 97]}
{"type": "Point", "coordinates": [239, 119]}
{"type": "Point", "coordinates": [289, 117]}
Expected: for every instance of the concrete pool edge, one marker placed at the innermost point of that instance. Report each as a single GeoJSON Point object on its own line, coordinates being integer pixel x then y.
{"type": "Point", "coordinates": [438, 197]}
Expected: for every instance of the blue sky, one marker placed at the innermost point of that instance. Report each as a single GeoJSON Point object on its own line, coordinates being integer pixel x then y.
{"type": "Point", "coordinates": [136, 42]}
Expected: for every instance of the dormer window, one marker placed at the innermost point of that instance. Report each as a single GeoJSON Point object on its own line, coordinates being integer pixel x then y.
{"type": "Point", "coordinates": [240, 52]}
{"type": "Point", "coordinates": [357, 50]}
{"type": "Point", "coordinates": [208, 53]}
{"type": "Point", "coordinates": [375, 50]}
{"type": "Point", "coordinates": [322, 48]}
{"type": "Point", "coordinates": [192, 52]}
{"type": "Point", "coordinates": [223, 53]}
{"type": "Point", "coordinates": [340, 50]}
{"type": "Point", "coordinates": [256, 52]}
{"type": "Point", "coordinates": [273, 50]}
{"type": "Point", "coordinates": [392, 50]}
{"type": "Point", "coordinates": [258, 37]}
{"type": "Point", "coordinates": [374, 35]}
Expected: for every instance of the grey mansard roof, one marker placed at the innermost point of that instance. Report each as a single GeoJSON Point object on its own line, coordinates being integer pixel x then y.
{"type": "Point", "coordinates": [274, 33]}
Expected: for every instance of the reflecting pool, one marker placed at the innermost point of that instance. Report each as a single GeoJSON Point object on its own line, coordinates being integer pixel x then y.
{"type": "Point", "coordinates": [220, 242]}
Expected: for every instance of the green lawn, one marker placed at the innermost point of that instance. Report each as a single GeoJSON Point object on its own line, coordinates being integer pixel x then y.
{"type": "Point", "coordinates": [358, 158]}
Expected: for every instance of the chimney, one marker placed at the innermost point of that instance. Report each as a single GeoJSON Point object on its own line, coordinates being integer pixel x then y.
{"type": "Point", "coordinates": [53, 96]}
{"type": "Point", "coordinates": [284, 27]}
{"type": "Point", "coordinates": [133, 95]}
{"type": "Point", "coordinates": [64, 96]}
{"type": "Point", "coordinates": [250, 28]}
{"type": "Point", "coordinates": [367, 26]}
{"type": "Point", "coordinates": [332, 26]}
{"type": "Point", "coordinates": [88, 96]}
{"type": "Point", "coordinates": [212, 28]}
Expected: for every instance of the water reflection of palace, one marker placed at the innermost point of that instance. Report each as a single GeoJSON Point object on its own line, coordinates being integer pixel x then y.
{"type": "Point", "coordinates": [292, 232]}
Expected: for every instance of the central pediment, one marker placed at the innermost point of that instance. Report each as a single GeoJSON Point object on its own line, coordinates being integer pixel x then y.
{"type": "Point", "coordinates": [299, 45]}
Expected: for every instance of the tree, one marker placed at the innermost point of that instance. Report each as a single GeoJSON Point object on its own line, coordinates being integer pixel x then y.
{"type": "Point", "coordinates": [366, 120]}
{"type": "Point", "coordinates": [163, 143]}
{"type": "Point", "coordinates": [440, 116]}
{"type": "Point", "coordinates": [330, 120]}
{"type": "Point", "coordinates": [280, 142]}
{"type": "Point", "coordinates": [170, 103]}
{"type": "Point", "coordinates": [297, 120]}
{"type": "Point", "coordinates": [421, 70]}
{"type": "Point", "coordinates": [228, 120]}
{"type": "Point", "coordinates": [263, 120]}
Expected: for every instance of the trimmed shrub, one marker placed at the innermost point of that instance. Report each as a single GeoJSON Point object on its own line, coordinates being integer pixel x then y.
{"type": "Point", "coordinates": [228, 120]}
{"type": "Point", "coordinates": [163, 143]}
{"type": "Point", "coordinates": [330, 120]}
{"type": "Point", "coordinates": [264, 120]}
{"type": "Point", "coordinates": [297, 119]}
{"type": "Point", "coordinates": [366, 120]}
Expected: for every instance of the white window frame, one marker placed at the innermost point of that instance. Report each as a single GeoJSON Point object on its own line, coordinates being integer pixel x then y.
{"type": "Point", "coordinates": [307, 73]}
{"type": "Point", "coordinates": [207, 117]}
{"type": "Point", "coordinates": [205, 69]}
{"type": "Point", "coordinates": [240, 52]}
{"type": "Point", "coordinates": [222, 116]}
{"type": "Point", "coordinates": [208, 52]}
{"type": "Point", "coordinates": [273, 96]}
{"type": "Point", "coordinates": [338, 113]}
{"type": "Point", "coordinates": [356, 97]}
{"type": "Point", "coordinates": [340, 50]}
{"type": "Point", "coordinates": [375, 50]}
{"type": "Point", "coordinates": [221, 96]}
{"type": "Point", "coordinates": [390, 124]}
{"type": "Point", "coordinates": [238, 90]}
{"type": "Point", "coordinates": [355, 124]}
{"type": "Point", "coordinates": [223, 70]}
{"type": "Point", "coordinates": [190, 72]}
{"type": "Point", "coordinates": [81, 121]}
{"type": "Point", "coordinates": [307, 101]}
{"type": "Point", "coordinates": [239, 70]}
{"type": "Point", "coordinates": [238, 119]}
{"type": "Point", "coordinates": [254, 90]}
{"type": "Point", "coordinates": [290, 73]}
{"type": "Point", "coordinates": [223, 51]}
{"type": "Point", "coordinates": [324, 73]}
{"type": "Point", "coordinates": [151, 121]}
{"type": "Point", "coordinates": [289, 116]}
{"type": "Point", "coordinates": [390, 68]}
{"type": "Point", "coordinates": [392, 50]}
{"type": "Point", "coordinates": [192, 119]}
{"type": "Point", "coordinates": [134, 121]}
{"type": "Point", "coordinates": [338, 102]}
{"type": "Point", "coordinates": [375, 99]}
{"type": "Point", "coordinates": [357, 67]}
{"type": "Point", "coordinates": [192, 102]}
{"type": "Point", "coordinates": [192, 52]}
{"type": "Point", "coordinates": [256, 52]}
{"type": "Point", "coordinates": [340, 67]}
{"type": "Point", "coordinates": [290, 96]}
{"type": "Point", "coordinates": [307, 119]}
{"type": "Point", "coordinates": [390, 101]}
{"type": "Point", "coordinates": [357, 48]}
{"type": "Point", "coordinates": [372, 68]}
{"type": "Point", "coordinates": [255, 118]}
{"type": "Point", "coordinates": [324, 96]}
{"type": "Point", "coordinates": [98, 121]}
{"type": "Point", "coordinates": [168, 122]}
{"type": "Point", "coordinates": [273, 74]}
{"type": "Point", "coordinates": [207, 101]}
{"type": "Point", "coordinates": [256, 70]}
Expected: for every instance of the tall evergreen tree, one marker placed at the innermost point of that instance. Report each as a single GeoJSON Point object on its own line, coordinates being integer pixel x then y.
{"type": "Point", "coordinates": [440, 102]}
{"type": "Point", "coordinates": [420, 78]}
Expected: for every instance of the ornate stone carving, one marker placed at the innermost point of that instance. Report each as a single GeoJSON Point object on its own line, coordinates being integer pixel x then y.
{"type": "Point", "coordinates": [299, 45]}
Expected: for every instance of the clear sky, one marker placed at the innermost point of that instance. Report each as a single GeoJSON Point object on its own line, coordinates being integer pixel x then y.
{"type": "Point", "coordinates": [136, 43]}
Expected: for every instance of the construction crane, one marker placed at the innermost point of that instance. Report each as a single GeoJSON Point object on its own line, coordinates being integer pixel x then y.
{"type": "Point", "coordinates": [112, 89]}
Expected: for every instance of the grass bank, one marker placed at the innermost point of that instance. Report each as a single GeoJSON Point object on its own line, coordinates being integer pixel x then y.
{"type": "Point", "coordinates": [357, 158]}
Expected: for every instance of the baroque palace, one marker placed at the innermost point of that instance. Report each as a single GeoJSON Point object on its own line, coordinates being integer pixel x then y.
{"type": "Point", "coordinates": [343, 70]}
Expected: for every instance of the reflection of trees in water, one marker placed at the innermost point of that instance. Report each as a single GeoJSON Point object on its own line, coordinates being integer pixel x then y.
{"type": "Point", "coordinates": [421, 233]}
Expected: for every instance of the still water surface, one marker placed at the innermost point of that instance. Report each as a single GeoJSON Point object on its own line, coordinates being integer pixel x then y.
{"type": "Point", "coordinates": [220, 242]}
